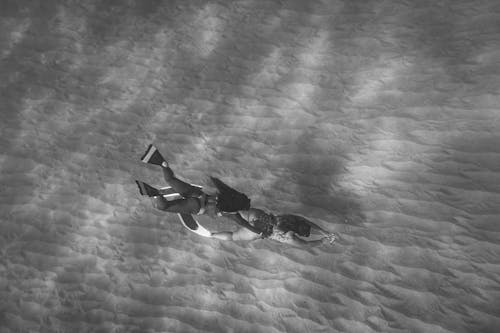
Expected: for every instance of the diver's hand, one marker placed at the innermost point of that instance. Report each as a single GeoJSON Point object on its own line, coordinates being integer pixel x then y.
{"type": "Point", "coordinates": [330, 238]}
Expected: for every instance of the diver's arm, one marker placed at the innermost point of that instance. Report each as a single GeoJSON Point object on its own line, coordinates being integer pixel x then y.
{"type": "Point", "coordinates": [222, 235]}
{"type": "Point", "coordinates": [300, 242]}
{"type": "Point", "coordinates": [242, 234]}
{"type": "Point", "coordinates": [244, 223]}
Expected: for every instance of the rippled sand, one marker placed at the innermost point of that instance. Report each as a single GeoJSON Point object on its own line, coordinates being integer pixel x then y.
{"type": "Point", "coordinates": [378, 120]}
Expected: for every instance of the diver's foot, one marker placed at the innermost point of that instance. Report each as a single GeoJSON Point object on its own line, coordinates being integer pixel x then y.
{"type": "Point", "coordinates": [153, 156]}
{"type": "Point", "coordinates": [146, 189]}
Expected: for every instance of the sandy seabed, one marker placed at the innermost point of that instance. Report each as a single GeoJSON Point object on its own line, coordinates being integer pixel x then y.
{"type": "Point", "coordinates": [379, 120]}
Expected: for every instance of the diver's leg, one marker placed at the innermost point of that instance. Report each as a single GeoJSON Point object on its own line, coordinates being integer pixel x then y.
{"type": "Point", "coordinates": [153, 156]}
{"type": "Point", "coordinates": [181, 187]}
{"type": "Point", "coordinates": [187, 206]}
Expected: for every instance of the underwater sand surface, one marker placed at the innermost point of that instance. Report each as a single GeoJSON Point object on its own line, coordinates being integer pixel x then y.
{"type": "Point", "coordinates": [378, 120]}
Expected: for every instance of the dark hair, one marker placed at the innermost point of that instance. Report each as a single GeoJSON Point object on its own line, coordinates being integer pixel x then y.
{"type": "Point", "coordinates": [228, 199]}
{"type": "Point", "coordinates": [298, 224]}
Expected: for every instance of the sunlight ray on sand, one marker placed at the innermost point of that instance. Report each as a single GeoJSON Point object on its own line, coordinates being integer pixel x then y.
{"type": "Point", "coordinates": [209, 28]}
{"type": "Point", "coordinates": [310, 58]}
{"type": "Point", "coordinates": [372, 82]}
{"type": "Point", "coordinates": [72, 26]}
{"type": "Point", "coordinates": [16, 33]}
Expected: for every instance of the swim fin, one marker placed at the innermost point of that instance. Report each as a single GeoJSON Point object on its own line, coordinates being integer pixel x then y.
{"type": "Point", "coordinates": [146, 189]}
{"type": "Point", "coordinates": [152, 156]}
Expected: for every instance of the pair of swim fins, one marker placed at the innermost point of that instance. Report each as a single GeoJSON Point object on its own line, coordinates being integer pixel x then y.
{"type": "Point", "coordinates": [153, 156]}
